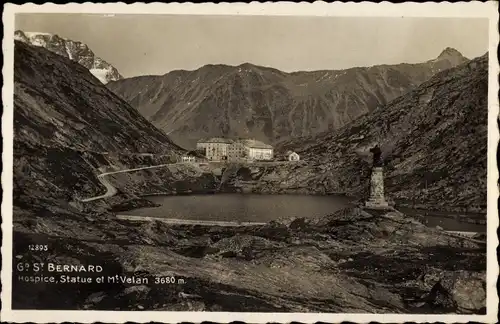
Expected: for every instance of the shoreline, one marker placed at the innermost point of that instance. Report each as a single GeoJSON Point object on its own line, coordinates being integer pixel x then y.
{"type": "Point", "coordinates": [221, 184]}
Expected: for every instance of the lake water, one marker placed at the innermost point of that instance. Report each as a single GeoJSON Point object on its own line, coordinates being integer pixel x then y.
{"type": "Point", "coordinates": [446, 220]}
{"type": "Point", "coordinates": [241, 207]}
{"type": "Point", "coordinates": [263, 208]}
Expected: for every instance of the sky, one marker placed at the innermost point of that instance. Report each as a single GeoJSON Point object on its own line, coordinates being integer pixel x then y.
{"type": "Point", "coordinates": [156, 44]}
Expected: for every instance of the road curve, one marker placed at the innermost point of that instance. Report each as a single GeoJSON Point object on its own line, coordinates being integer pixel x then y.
{"type": "Point", "coordinates": [110, 189]}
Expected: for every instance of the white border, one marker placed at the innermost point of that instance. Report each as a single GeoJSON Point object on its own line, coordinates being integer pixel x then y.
{"type": "Point", "coordinates": [366, 9]}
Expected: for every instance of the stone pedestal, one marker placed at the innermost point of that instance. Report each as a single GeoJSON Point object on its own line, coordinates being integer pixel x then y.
{"type": "Point", "coordinates": [377, 198]}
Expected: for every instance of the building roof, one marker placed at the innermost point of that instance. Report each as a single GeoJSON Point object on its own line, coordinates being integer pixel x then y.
{"type": "Point", "coordinates": [291, 152]}
{"type": "Point", "coordinates": [239, 143]}
{"type": "Point", "coordinates": [255, 144]}
{"type": "Point", "coordinates": [215, 140]}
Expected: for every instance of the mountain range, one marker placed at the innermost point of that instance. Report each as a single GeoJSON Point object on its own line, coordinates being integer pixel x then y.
{"type": "Point", "coordinates": [74, 50]}
{"type": "Point", "coordinates": [267, 104]}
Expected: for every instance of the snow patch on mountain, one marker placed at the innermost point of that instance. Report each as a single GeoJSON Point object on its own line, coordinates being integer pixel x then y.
{"type": "Point", "coordinates": [17, 37]}
{"type": "Point", "coordinates": [68, 51]}
{"type": "Point", "coordinates": [34, 34]}
{"type": "Point", "coordinates": [101, 74]}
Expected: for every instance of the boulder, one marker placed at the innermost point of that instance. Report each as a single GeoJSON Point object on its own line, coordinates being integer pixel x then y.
{"type": "Point", "coordinates": [462, 290]}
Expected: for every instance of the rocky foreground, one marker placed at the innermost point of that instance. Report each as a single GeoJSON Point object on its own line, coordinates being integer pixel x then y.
{"type": "Point", "coordinates": [352, 261]}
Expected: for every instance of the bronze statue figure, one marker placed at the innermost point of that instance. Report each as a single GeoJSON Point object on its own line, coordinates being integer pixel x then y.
{"type": "Point", "coordinates": [377, 156]}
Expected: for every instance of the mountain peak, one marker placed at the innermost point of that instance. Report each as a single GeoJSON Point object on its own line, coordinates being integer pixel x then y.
{"type": "Point", "coordinates": [74, 50]}
{"type": "Point", "coordinates": [450, 52]}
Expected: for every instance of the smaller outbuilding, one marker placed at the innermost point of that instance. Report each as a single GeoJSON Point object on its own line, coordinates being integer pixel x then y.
{"type": "Point", "coordinates": [192, 156]}
{"type": "Point", "coordinates": [292, 156]}
{"type": "Point", "coordinates": [188, 159]}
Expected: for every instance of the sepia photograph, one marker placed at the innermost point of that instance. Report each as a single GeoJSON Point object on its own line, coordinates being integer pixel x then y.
{"type": "Point", "coordinates": [241, 163]}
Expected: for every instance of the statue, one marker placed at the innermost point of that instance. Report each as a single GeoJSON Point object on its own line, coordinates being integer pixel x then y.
{"type": "Point", "coordinates": [377, 198]}
{"type": "Point", "coordinates": [377, 156]}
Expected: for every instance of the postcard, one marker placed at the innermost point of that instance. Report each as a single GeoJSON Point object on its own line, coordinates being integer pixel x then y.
{"type": "Point", "coordinates": [262, 162]}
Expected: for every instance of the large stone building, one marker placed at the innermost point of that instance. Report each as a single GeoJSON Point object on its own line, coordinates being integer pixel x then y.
{"type": "Point", "coordinates": [222, 149]}
{"type": "Point", "coordinates": [257, 150]}
{"type": "Point", "coordinates": [237, 151]}
{"type": "Point", "coordinates": [215, 149]}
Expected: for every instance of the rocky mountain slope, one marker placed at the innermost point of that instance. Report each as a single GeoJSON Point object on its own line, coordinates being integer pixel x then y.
{"type": "Point", "coordinates": [434, 142]}
{"type": "Point", "coordinates": [68, 127]}
{"type": "Point", "coordinates": [74, 50]}
{"type": "Point", "coordinates": [268, 104]}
